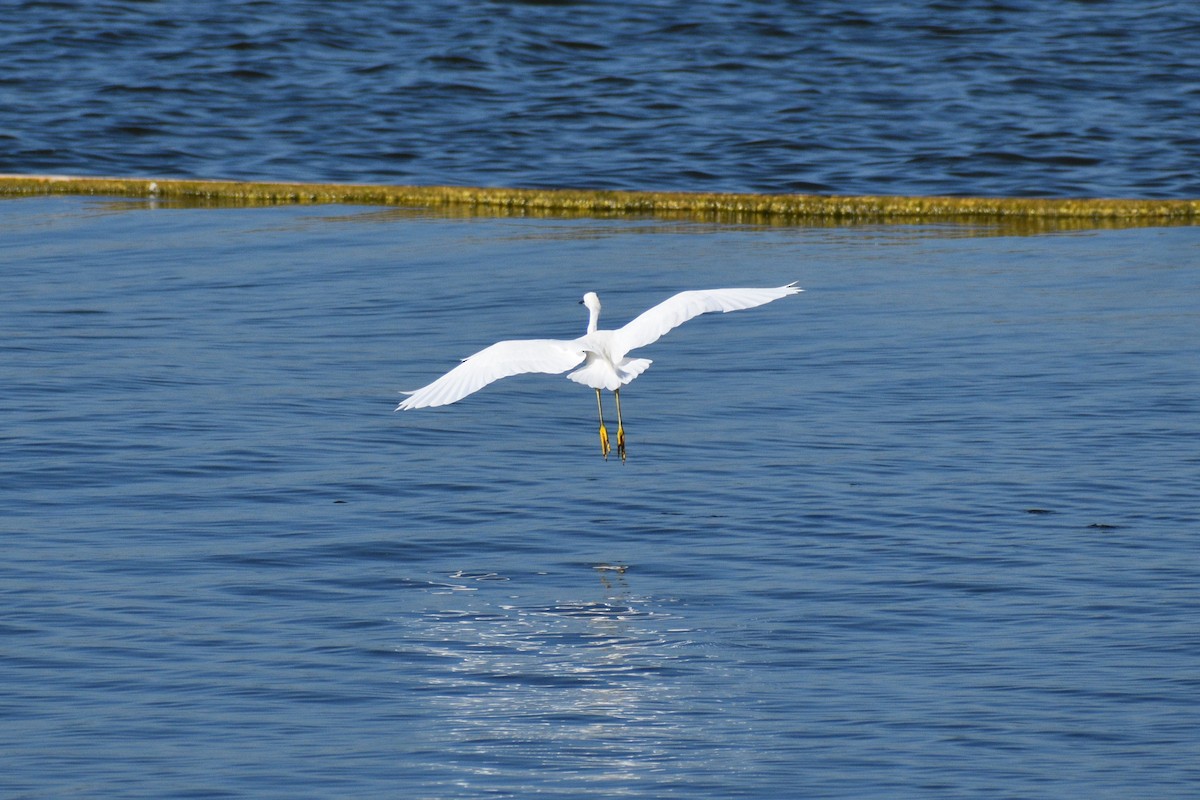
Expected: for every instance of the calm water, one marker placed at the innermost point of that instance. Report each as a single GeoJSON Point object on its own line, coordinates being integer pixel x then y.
{"type": "Point", "coordinates": [1008, 97]}
{"type": "Point", "coordinates": [930, 529]}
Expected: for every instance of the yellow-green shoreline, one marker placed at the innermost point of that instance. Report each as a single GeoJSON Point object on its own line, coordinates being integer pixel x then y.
{"type": "Point", "coordinates": [705, 206]}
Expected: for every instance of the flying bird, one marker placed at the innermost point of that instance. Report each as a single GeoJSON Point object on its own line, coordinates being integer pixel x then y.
{"type": "Point", "coordinates": [603, 354]}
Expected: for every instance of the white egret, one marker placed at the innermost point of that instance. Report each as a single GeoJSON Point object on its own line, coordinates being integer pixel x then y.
{"type": "Point", "coordinates": [603, 353]}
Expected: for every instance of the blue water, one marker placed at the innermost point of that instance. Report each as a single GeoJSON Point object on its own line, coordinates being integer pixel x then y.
{"type": "Point", "coordinates": [964, 98]}
{"type": "Point", "coordinates": [929, 529]}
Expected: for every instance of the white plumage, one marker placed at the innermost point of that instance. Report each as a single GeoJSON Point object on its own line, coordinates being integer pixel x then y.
{"type": "Point", "coordinates": [603, 354]}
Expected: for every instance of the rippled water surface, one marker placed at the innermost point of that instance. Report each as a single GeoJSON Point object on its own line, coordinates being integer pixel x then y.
{"type": "Point", "coordinates": [929, 529]}
{"type": "Point", "coordinates": [992, 98]}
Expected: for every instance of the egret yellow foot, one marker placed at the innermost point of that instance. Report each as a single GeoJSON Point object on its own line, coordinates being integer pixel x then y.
{"type": "Point", "coordinates": [605, 449]}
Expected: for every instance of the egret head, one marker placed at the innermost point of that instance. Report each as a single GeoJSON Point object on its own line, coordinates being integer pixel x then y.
{"type": "Point", "coordinates": [591, 300]}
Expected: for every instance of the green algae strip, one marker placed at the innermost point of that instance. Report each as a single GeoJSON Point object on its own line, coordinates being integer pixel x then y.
{"type": "Point", "coordinates": [773, 208]}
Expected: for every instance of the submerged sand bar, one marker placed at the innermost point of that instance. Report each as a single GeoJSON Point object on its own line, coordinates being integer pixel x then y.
{"type": "Point", "coordinates": [775, 208]}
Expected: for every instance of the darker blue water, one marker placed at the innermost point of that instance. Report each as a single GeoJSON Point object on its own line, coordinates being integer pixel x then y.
{"type": "Point", "coordinates": [930, 529]}
{"type": "Point", "coordinates": [991, 98]}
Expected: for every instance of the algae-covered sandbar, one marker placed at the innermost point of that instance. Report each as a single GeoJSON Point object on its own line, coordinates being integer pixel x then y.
{"type": "Point", "coordinates": [733, 207]}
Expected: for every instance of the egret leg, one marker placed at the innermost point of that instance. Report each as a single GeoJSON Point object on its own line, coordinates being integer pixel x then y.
{"type": "Point", "coordinates": [620, 427]}
{"type": "Point", "coordinates": [604, 446]}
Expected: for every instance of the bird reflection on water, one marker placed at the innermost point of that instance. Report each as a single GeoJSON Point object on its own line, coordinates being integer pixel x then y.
{"type": "Point", "coordinates": [578, 690]}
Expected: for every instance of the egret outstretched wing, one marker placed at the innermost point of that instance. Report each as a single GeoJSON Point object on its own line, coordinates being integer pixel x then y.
{"type": "Point", "coordinates": [650, 325]}
{"type": "Point", "coordinates": [512, 357]}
